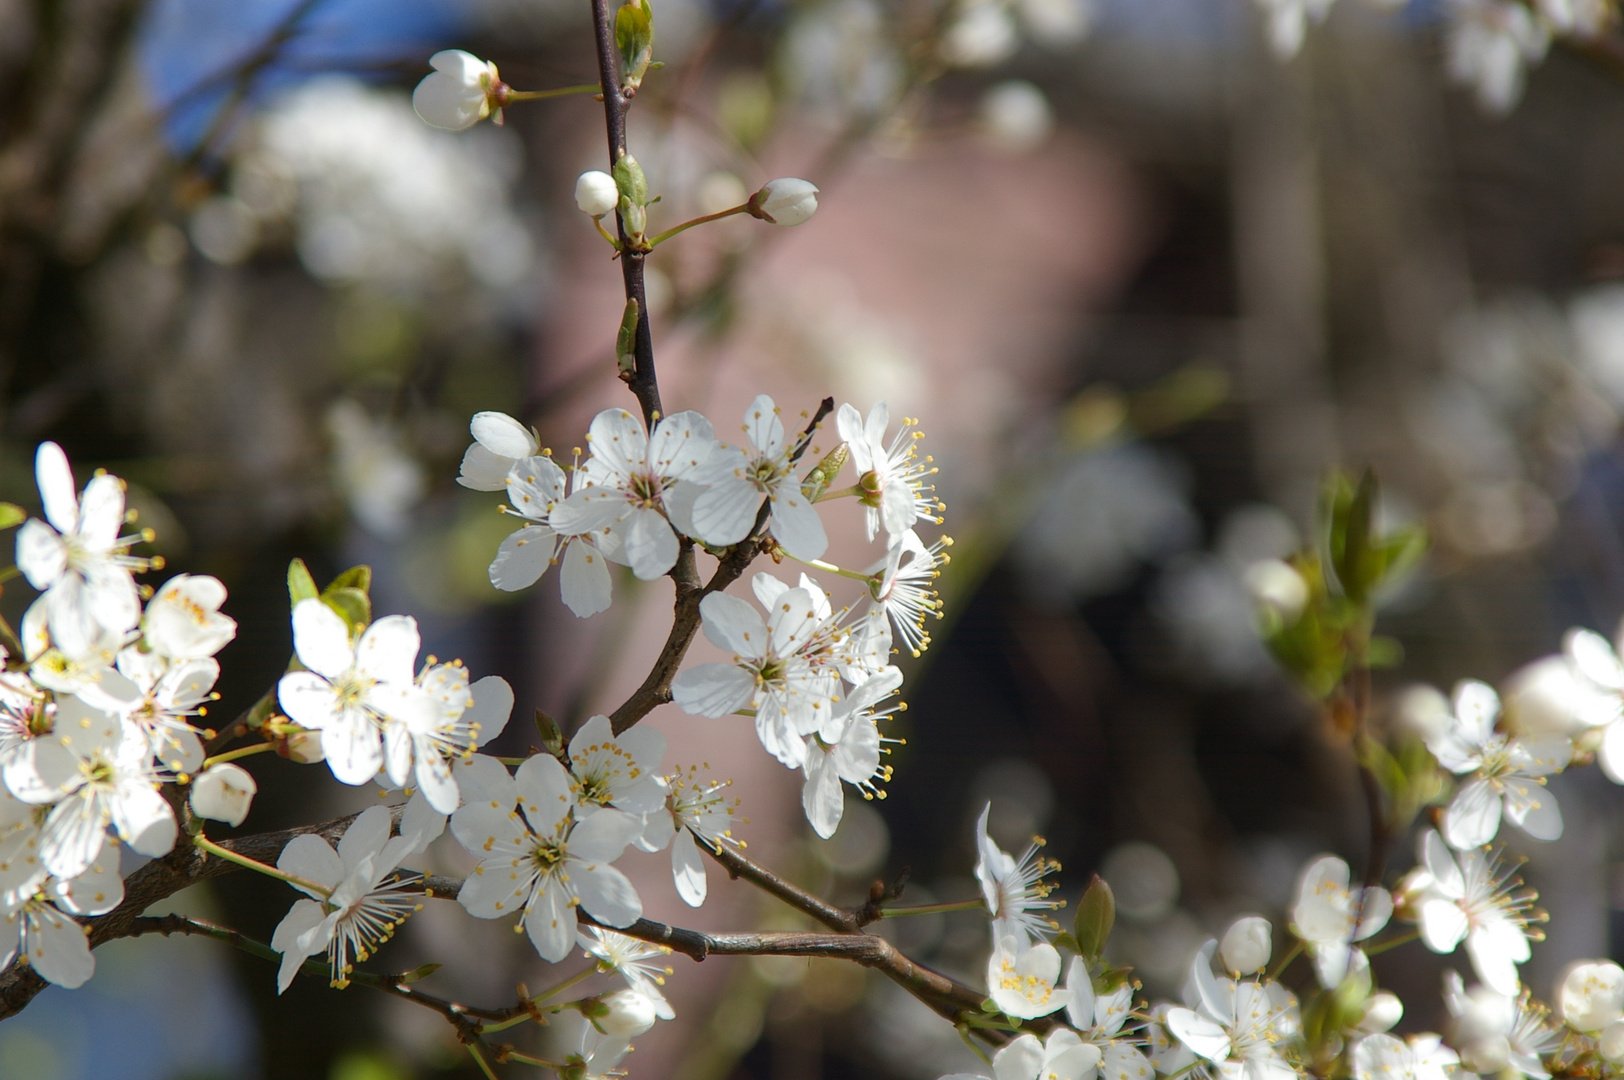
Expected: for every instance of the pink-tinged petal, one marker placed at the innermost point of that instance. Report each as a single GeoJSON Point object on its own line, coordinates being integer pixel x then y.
{"type": "Point", "coordinates": [101, 512]}
{"type": "Point", "coordinates": [353, 747]}
{"type": "Point", "coordinates": [796, 525]}
{"type": "Point", "coordinates": [763, 426]}
{"type": "Point", "coordinates": [58, 948]}
{"type": "Point", "coordinates": [56, 489]}
{"type": "Point", "coordinates": [1443, 925]}
{"type": "Point", "coordinates": [482, 470]}
{"type": "Point", "coordinates": [618, 442]}
{"type": "Point", "coordinates": [584, 581]}
{"type": "Point", "coordinates": [733, 625]}
{"type": "Point", "coordinates": [523, 557]}
{"type": "Point", "coordinates": [1595, 659]}
{"type": "Point", "coordinates": [498, 432]}
{"type": "Point", "coordinates": [96, 891]}
{"type": "Point", "coordinates": [42, 555]}
{"type": "Point", "coordinates": [1532, 808]}
{"type": "Point", "coordinates": [1473, 817]}
{"type": "Point", "coordinates": [309, 700]}
{"type": "Point", "coordinates": [688, 869]}
{"type": "Point", "coordinates": [1198, 1033]}
{"type": "Point", "coordinates": [145, 820]}
{"type": "Point", "coordinates": [388, 650]}
{"type": "Point", "coordinates": [544, 793]}
{"type": "Point", "coordinates": [681, 445]}
{"type": "Point", "coordinates": [724, 512]}
{"type": "Point", "coordinates": [550, 921]}
{"type": "Point", "coordinates": [821, 796]}
{"type": "Point", "coordinates": [713, 689]}
{"type": "Point", "coordinates": [313, 859]}
{"type": "Point", "coordinates": [497, 888]}
{"type": "Point", "coordinates": [492, 705]}
{"type": "Point", "coordinates": [650, 545]}
{"type": "Point", "coordinates": [303, 917]}
{"type": "Point", "coordinates": [605, 893]}
{"type": "Point", "coordinates": [602, 836]}
{"type": "Point", "coordinates": [321, 638]}
{"type": "Point", "coordinates": [73, 836]}
{"type": "Point", "coordinates": [365, 837]}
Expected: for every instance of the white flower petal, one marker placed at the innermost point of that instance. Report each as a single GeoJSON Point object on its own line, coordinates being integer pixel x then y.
{"type": "Point", "coordinates": [321, 638]}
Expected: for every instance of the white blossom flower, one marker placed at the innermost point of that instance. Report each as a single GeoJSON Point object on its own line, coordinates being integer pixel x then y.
{"type": "Point", "coordinates": [53, 666]}
{"type": "Point", "coordinates": [596, 193]}
{"type": "Point", "coordinates": [1504, 771]}
{"type": "Point", "coordinates": [696, 812]}
{"type": "Point", "coordinates": [159, 697]}
{"type": "Point", "coordinates": [847, 748]}
{"type": "Point", "coordinates": [902, 586]}
{"type": "Point", "coordinates": [1382, 1010]}
{"type": "Point", "coordinates": [630, 483]}
{"type": "Point", "coordinates": [1549, 697]}
{"type": "Point", "coordinates": [500, 442]}
{"type": "Point", "coordinates": [461, 91]}
{"type": "Point", "coordinates": [891, 479]}
{"type": "Point", "coordinates": [544, 862]}
{"type": "Point", "coordinates": [1016, 894]}
{"type": "Point", "coordinates": [350, 692]}
{"type": "Point", "coordinates": [630, 1013]}
{"type": "Point", "coordinates": [1247, 1027]}
{"type": "Point", "coordinates": [785, 201]}
{"type": "Point", "coordinates": [1591, 995]}
{"type": "Point", "coordinates": [1611, 1043]}
{"type": "Point", "coordinates": [1168, 1056]}
{"type": "Point", "coordinates": [98, 771]}
{"type": "Point", "coordinates": [1330, 916]}
{"type": "Point", "coordinates": [982, 34]}
{"type": "Point", "coordinates": [1100, 1020]}
{"type": "Point", "coordinates": [1421, 1057]}
{"type": "Point", "coordinates": [447, 723]}
{"type": "Point", "coordinates": [1247, 945]}
{"type": "Point", "coordinates": [771, 671]}
{"type": "Point", "coordinates": [223, 792]}
{"type": "Point", "coordinates": [79, 560]}
{"type": "Point", "coordinates": [183, 619]}
{"type": "Point", "coordinates": [631, 958]}
{"type": "Point", "coordinates": [1597, 666]}
{"type": "Point", "coordinates": [620, 771]}
{"type": "Point", "coordinates": [38, 923]}
{"type": "Point", "coordinates": [535, 487]}
{"type": "Point", "coordinates": [1493, 1030]}
{"type": "Point", "coordinates": [1489, 44]}
{"type": "Point", "coordinates": [736, 480]}
{"type": "Point", "coordinates": [21, 872]}
{"type": "Point", "coordinates": [1288, 22]}
{"type": "Point", "coordinates": [1022, 980]}
{"type": "Point", "coordinates": [1025, 1058]}
{"type": "Point", "coordinates": [365, 906]}
{"type": "Point", "coordinates": [1467, 896]}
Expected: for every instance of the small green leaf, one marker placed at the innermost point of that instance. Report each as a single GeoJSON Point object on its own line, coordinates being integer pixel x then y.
{"type": "Point", "coordinates": [626, 340]}
{"type": "Point", "coordinates": [418, 974]}
{"type": "Point", "coordinates": [301, 586]}
{"type": "Point", "coordinates": [629, 178]}
{"type": "Point", "coordinates": [356, 577]}
{"type": "Point", "coordinates": [824, 472]}
{"type": "Point", "coordinates": [352, 605]}
{"type": "Point", "coordinates": [11, 514]}
{"type": "Point", "coordinates": [634, 37]}
{"type": "Point", "coordinates": [1096, 913]}
{"type": "Point", "coordinates": [1064, 940]}
{"type": "Point", "coordinates": [552, 737]}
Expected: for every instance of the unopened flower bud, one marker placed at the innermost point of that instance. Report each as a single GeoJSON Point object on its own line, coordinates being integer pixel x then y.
{"type": "Point", "coordinates": [786, 201]}
{"type": "Point", "coordinates": [1276, 586]}
{"type": "Point", "coordinates": [1612, 1042]}
{"type": "Point", "coordinates": [1591, 995]}
{"type": "Point", "coordinates": [630, 1014]}
{"type": "Point", "coordinates": [1382, 1011]}
{"type": "Point", "coordinates": [223, 793]}
{"type": "Point", "coordinates": [596, 193]}
{"type": "Point", "coordinates": [1247, 944]}
{"type": "Point", "coordinates": [305, 747]}
{"type": "Point", "coordinates": [460, 92]}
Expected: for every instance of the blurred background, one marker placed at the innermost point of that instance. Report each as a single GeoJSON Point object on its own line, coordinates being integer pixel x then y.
{"type": "Point", "coordinates": [1146, 269]}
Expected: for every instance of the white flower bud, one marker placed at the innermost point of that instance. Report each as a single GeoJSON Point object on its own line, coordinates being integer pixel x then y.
{"type": "Point", "coordinates": [630, 1014]}
{"type": "Point", "coordinates": [1382, 1011]}
{"type": "Point", "coordinates": [223, 793]}
{"type": "Point", "coordinates": [1247, 944]}
{"type": "Point", "coordinates": [596, 193]}
{"type": "Point", "coordinates": [1276, 586]}
{"type": "Point", "coordinates": [460, 92]}
{"type": "Point", "coordinates": [785, 201]}
{"type": "Point", "coordinates": [305, 747]}
{"type": "Point", "coordinates": [1612, 1042]}
{"type": "Point", "coordinates": [1591, 995]}
{"type": "Point", "coordinates": [1544, 698]}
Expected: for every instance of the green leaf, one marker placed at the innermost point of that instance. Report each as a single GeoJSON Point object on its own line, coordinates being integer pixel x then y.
{"type": "Point", "coordinates": [352, 605]}
{"type": "Point", "coordinates": [356, 577]}
{"type": "Point", "coordinates": [418, 974]}
{"type": "Point", "coordinates": [301, 586]}
{"type": "Point", "coordinates": [11, 514]}
{"type": "Point", "coordinates": [1096, 913]}
{"type": "Point", "coordinates": [626, 340]}
{"type": "Point", "coordinates": [1384, 652]}
{"type": "Point", "coordinates": [1064, 940]}
{"type": "Point", "coordinates": [634, 37]}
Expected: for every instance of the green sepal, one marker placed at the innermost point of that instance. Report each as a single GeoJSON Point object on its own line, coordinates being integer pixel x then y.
{"type": "Point", "coordinates": [352, 605]}
{"type": "Point", "coordinates": [418, 974]}
{"type": "Point", "coordinates": [301, 586]}
{"type": "Point", "coordinates": [626, 340]}
{"type": "Point", "coordinates": [824, 472]}
{"type": "Point", "coordinates": [11, 515]}
{"type": "Point", "coordinates": [1096, 914]}
{"type": "Point", "coordinates": [263, 710]}
{"type": "Point", "coordinates": [356, 577]}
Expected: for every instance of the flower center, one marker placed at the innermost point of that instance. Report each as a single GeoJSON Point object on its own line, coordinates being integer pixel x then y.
{"type": "Point", "coordinates": [547, 854]}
